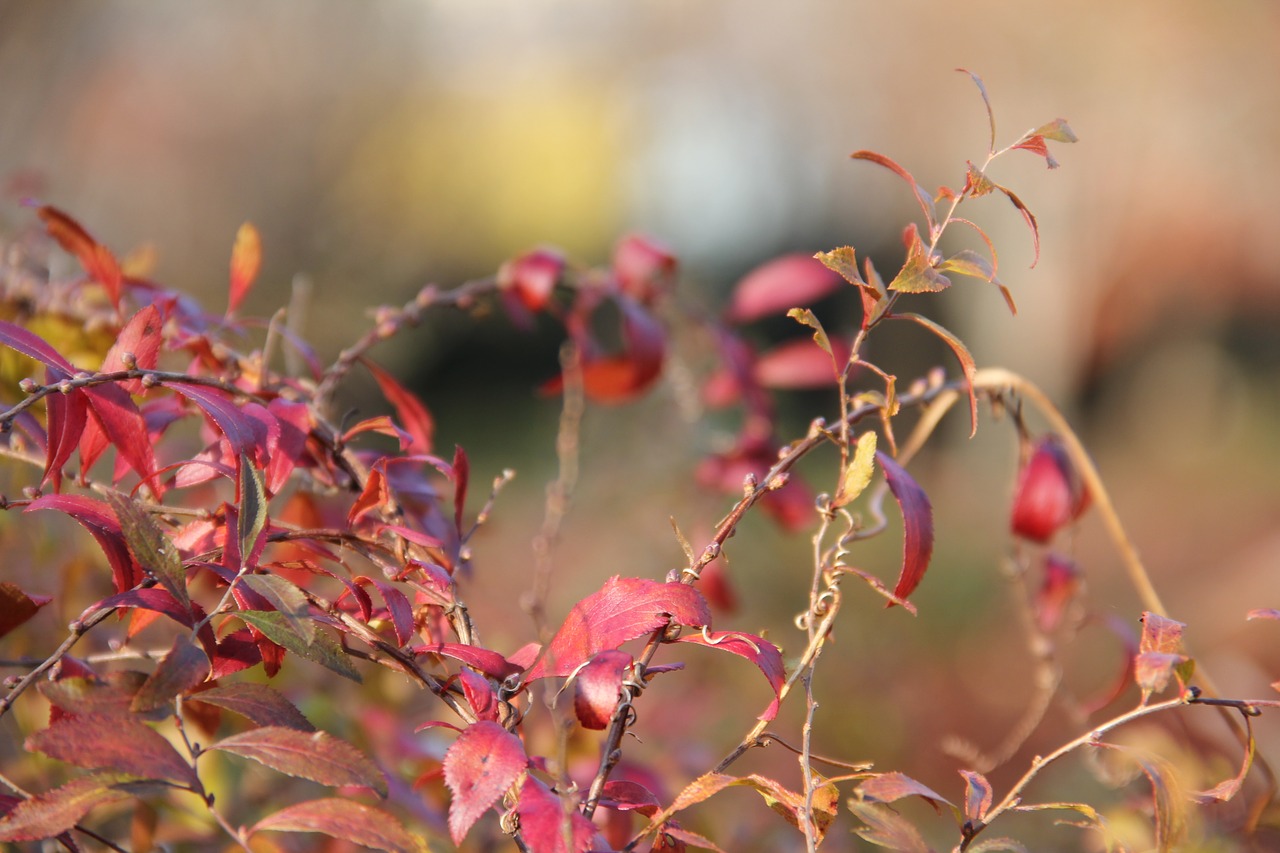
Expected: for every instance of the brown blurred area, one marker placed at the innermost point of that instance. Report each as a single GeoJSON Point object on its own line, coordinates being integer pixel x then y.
{"type": "Point", "coordinates": [382, 145]}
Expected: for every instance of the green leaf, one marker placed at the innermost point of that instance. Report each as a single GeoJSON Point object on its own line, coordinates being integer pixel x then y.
{"type": "Point", "coordinates": [917, 274]}
{"type": "Point", "coordinates": [253, 508]}
{"type": "Point", "coordinates": [858, 475]}
{"type": "Point", "coordinates": [1057, 130]}
{"type": "Point", "coordinates": [844, 262]}
{"type": "Point", "coordinates": [323, 650]}
{"type": "Point", "coordinates": [149, 545]}
{"type": "Point", "coordinates": [970, 263]}
{"type": "Point", "coordinates": [806, 317]}
{"type": "Point", "coordinates": [288, 599]}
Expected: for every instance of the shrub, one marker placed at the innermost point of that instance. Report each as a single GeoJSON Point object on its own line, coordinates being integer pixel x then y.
{"type": "Point", "coordinates": [245, 529]}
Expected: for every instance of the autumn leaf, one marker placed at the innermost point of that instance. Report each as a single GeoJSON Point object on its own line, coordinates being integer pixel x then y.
{"type": "Point", "coordinates": [479, 767]}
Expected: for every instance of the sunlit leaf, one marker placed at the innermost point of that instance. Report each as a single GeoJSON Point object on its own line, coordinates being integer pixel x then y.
{"type": "Point", "coordinates": [317, 756]}
{"type": "Point", "coordinates": [287, 599]}
{"type": "Point", "coordinates": [918, 274]}
{"type": "Point", "coordinates": [884, 827]}
{"type": "Point", "coordinates": [54, 812]}
{"type": "Point", "coordinates": [1057, 130]}
{"type": "Point", "coordinates": [252, 518]}
{"type": "Point", "coordinates": [986, 102]}
{"type": "Point", "coordinates": [758, 650]}
{"type": "Point", "coordinates": [546, 825]}
{"type": "Point", "coordinates": [917, 524]}
{"type": "Point", "coordinates": [479, 767]}
{"type": "Point", "coordinates": [96, 259]}
{"type": "Point", "coordinates": [857, 476]}
{"type": "Point", "coordinates": [922, 195]}
{"type": "Point", "coordinates": [97, 518]}
{"type": "Point", "coordinates": [345, 820]}
{"type": "Point", "coordinates": [259, 703]}
{"type": "Point", "coordinates": [132, 747]}
{"type": "Point", "coordinates": [977, 795]}
{"type": "Point", "coordinates": [246, 261]}
{"type": "Point", "coordinates": [621, 610]}
{"type": "Point", "coordinates": [413, 415]}
{"type": "Point", "coordinates": [596, 688]}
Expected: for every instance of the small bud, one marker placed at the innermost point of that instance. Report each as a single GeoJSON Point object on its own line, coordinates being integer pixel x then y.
{"type": "Point", "coordinates": [65, 386]}
{"type": "Point", "coordinates": [129, 360]}
{"type": "Point", "coordinates": [29, 386]}
{"type": "Point", "coordinates": [1049, 493]}
{"type": "Point", "coordinates": [82, 375]}
{"type": "Point", "coordinates": [777, 481]}
{"type": "Point", "coordinates": [384, 314]}
{"type": "Point", "coordinates": [150, 380]}
{"type": "Point", "coordinates": [749, 483]}
{"type": "Point", "coordinates": [386, 330]}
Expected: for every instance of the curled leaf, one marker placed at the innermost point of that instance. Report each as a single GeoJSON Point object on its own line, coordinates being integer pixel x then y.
{"type": "Point", "coordinates": [917, 525]}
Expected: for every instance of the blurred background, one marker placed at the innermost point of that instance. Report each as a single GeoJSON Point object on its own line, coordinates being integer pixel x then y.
{"type": "Point", "coordinates": [379, 146]}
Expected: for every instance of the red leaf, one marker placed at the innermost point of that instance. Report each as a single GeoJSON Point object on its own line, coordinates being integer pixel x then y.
{"type": "Point", "coordinates": [644, 268]}
{"type": "Point", "coordinates": [17, 607]}
{"type": "Point", "coordinates": [759, 651]}
{"type": "Point", "coordinates": [1036, 145]}
{"type": "Point", "coordinates": [621, 377]}
{"type": "Point", "coordinates": [791, 281]}
{"type": "Point", "coordinates": [97, 518]}
{"type": "Point", "coordinates": [220, 408]}
{"type": "Point", "coordinates": [889, 787]}
{"type": "Point", "coordinates": [625, 795]}
{"type": "Point", "coordinates": [343, 819]}
{"type": "Point", "coordinates": [246, 260]}
{"type": "Point", "coordinates": [596, 688]}
{"type": "Point", "coordinates": [1264, 613]}
{"type": "Point", "coordinates": [886, 828]}
{"type": "Point", "coordinates": [490, 663]}
{"type": "Point", "coordinates": [114, 742]}
{"type": "Point", "coordinates": [621, 610]}
{"type": "Point", "coordinates": [294, 421]}
{"type": "Point", "coordinates": [917, 525]}
{"type": "Point", "coordinates": [184, 667]}
{"type": "Point", "coordinates": [918, 274]}
{"type": "Point", "coordinates": [546, 824]}
{"type": "Point", "coordinates": [800, 363]}
{"type": "Point", "coordinates": [480, 695]}
{"type": "Point", "coordinates": [399, 609]}
{"type": "Point", "coordinates": [141, 337]}
{"type": "Point", "coordinates": [317, 756]}
{"type": "Point", "coordinates": [33, 346]}
{"type": "Point", "coordinates": [1160, 634]}
{"type": "Point", "coordinates": [413, 415]}
{"type": "Point", "coordinates": [461, 473]}
{"type": "Point", "coordinates": [479, 767]}
{"type": "Point", "coordinates": [532, 277]}
{"type": "Point", "coordinates": [68, 415]}
{"type": "Point", "coordinates": [922, 196]}
{"type": "Point", "coordinates": [114, 411]}
{"type": "Point", "coordinates": [962, 355]}
{"type": "Point", "coordinates": [96, 259]}
{"type": "Point", "coordinates": [259, 703]}
{"type": "Point", "coordinates": [54, 812]}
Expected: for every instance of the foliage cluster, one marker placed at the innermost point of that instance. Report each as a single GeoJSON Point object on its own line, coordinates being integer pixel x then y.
{"type": "Point", "coordinates": [245, 529]}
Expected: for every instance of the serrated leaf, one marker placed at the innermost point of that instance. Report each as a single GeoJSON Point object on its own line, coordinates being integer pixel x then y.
{"type": "Point", "coordinates": [857, 476]}
{"type": "Point", "coordinates": [113, 741]}
{"type": "Point", "coordinates": [345, 820]}
{"type": "Point", "coordinates": [546, 825]}
{"type": "Point", "coordinates": [323, 650]}
{"type": "Point", "coordinates": [183, 667]}
{"type": "Point", "coordinates": [917, 525]}
{"type": "Point", "coordinates": [893, 786]}
{"type": "Point", "coordinates": [805, 317]}
{"type": "Point", "coordinates": [259, 703]}
{"type": "Point", "coordinates": [54, 812]}
{"type": "Point", "coordinates": [252, 518]}
{"type": "Point", "coordinates": [318, 756]}
{"type": "Point", "coordinates": [962, 355]}
{"type": "Point", "coordinates": [622, 609]}
{"type": "Point", "coordinates": [288, 600]}
{"type": "Point", "coordinates": [150, 547]}
{"type": "Point", "coordinates": [918, 274]}
{"type": "Point", "coordinates": [479, 767]}
{"type": "Point", "coordinates": [977, 795]}
{"type": "Point", "coordinates": [843, 261]}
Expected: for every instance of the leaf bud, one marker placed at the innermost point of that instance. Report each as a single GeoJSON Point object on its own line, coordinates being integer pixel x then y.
{"type": "Point", "coordinates": [150, 380]}
{"type": "Point", "coordinates": [28, 386]}
{"type": "Point", "coordinates": [1049, 494]}
{"type": "Point", "coordinates": [129, 360]}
